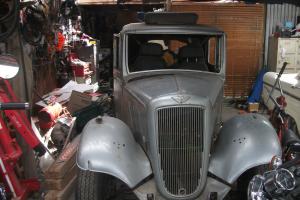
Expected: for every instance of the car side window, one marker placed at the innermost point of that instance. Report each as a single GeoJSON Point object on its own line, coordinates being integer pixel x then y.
{"type": "Point", "coordinates": [116, 51]}
{"type": "Point", "coordinates": [212, 51]}
{"type": "Point", "coordinates": [213, 54]}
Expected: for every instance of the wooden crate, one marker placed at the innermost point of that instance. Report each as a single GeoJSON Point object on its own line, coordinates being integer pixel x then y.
{"type": "Point", "coordinates": [64, 162]}
{"type": "Point", "coordinates": [64, 194]}
{"type": "Point", "coordinates": [59, 184]}
{"type": "Point", "coordinates": [60, 178]}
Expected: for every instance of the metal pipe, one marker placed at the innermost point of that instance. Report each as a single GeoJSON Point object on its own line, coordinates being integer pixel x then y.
{"type": "Point", "coordinates": [9, 183]}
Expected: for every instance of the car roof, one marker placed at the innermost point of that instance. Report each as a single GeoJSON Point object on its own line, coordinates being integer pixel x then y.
{"type": "Point", "coordinates": [187, 29]}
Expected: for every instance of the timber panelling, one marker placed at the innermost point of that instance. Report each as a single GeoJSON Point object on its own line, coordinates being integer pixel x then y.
{"type": "Point", "coordinates": [244, 27]}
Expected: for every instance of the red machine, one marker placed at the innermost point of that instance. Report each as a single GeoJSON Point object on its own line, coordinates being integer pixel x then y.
{"type": "Point", "coordinates": [10, 151]}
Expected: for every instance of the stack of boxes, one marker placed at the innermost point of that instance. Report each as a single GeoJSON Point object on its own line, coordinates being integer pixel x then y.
{"type": "Point", "coordinates": [82, 70]}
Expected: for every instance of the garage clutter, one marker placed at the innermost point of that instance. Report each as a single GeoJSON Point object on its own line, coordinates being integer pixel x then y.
{"type": "Point", "coordinates": [60, 123]}
{"type": "Point", "coordinates": [51, 33]}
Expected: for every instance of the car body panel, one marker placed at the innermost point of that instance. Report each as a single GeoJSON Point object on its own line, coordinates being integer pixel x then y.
{"type": "Point", "coordinates": [141, 98]}
{"type": "Point", "coordinates": [107, 146]}
{"type": "Point", "coordinates": [212, 186]}
{"type": "Point", "coordinates": [245, 141]}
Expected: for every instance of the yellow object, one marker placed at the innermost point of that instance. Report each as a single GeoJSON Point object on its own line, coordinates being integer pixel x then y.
{"type": "Point", "coordinates": [92, 42]}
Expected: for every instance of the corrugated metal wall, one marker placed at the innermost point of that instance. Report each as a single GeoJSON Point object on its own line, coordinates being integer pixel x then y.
{"type": "Point", "coordinates": [277, 14]}
{"type": "Point", "coordinates": [244, 26]}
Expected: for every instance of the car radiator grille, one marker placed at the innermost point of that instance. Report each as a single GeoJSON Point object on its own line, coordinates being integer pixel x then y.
{"type": "Point", "coordinates": [180, 146]}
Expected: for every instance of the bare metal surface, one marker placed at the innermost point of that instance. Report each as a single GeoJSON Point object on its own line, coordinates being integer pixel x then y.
{"type": "Point", "coordinates": [212, 185]}
{"type": "Point", "coordinates": [180, 144]}
{"type": "Point", "coordinates": [245, 141]}
{"type": "Point", "coordinates": [140, 100]}
{"type": "Point", "coordinates": [110, 148]}
{"type": "Point", "coordinates": [186, 103]}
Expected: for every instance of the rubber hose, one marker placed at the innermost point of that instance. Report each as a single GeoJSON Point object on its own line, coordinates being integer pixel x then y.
{"type": "Point", "coordinates": [25, 28]}
{"type": "Point", "coordinates": [9, 14]}
{"type": "Point", "coordinates": [34, 41]}
{"type": "Point", "coordinates": [5, 35]}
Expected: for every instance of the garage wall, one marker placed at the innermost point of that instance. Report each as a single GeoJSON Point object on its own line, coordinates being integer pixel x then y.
{"type": "Point", "coordinates": [244, 26]}
{"type": "Point", "coordinates": [277, 14]}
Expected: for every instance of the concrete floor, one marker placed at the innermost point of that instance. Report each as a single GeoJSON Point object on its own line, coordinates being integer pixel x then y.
{"type": "Point", "coordinates": [228, 112]}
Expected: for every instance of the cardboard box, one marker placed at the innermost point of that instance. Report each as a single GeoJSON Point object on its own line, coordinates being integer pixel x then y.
{"type": "Point", "coordinates": [253, 107]}
{"type": "Point", "coordinates": [78, 100]}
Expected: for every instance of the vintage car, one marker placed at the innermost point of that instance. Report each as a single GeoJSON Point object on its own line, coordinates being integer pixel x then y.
{"type": "Point", "coordinates": [166, 141]}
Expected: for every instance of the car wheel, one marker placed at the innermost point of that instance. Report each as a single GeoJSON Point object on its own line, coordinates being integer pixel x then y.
{"type": "Point", "coordinates": [92, 185]}
{"type": "Point", "coordinates": [244, 180]}
{"type": "Point", "coordinates": [99, 186]}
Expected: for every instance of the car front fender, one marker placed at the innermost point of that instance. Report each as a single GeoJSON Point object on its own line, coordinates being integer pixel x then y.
{"type": "Point", "coordinates": [108, 146]}
{"type": "Point", "coordinates": [245, 141]}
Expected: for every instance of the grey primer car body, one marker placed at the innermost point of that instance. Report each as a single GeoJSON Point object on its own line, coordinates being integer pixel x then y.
{"type": "Point", "coordinates": [161, 143]}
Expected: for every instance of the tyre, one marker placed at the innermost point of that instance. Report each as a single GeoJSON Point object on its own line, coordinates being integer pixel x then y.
{"type": "Point", "coordinates": [99, 186]}
{"type": "Point", "coordinates": [293, 125]}
{"type": "Point", "coordinates": [241, 186]}
{"type": "Point", "coordinates": [88, 184]}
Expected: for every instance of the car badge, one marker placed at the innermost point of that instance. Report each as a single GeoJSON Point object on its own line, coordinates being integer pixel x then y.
{"type": "Point", "coordinates": [181, 99]}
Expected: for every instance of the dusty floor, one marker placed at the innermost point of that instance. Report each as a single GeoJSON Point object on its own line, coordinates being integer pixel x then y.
{"type": "Point", "coordinates": [228, 112]}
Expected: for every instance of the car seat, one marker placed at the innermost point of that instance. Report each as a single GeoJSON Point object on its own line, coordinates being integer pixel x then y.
{"type": "Point", "coordinates": [192, 57]}
{"type": "Point", "coordinates": [150, 57]}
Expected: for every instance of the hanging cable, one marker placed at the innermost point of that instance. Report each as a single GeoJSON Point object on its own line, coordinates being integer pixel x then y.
{"type": "Point", "coordinates": [9, 21]}
{"type": "Point", "coordinates": [7, 9]}
{"type": "Point", "coordinates": [35, 21]}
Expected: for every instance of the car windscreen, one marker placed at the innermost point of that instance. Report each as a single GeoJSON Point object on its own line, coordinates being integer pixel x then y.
{"type": "Point", "coordinates": [173, 51]}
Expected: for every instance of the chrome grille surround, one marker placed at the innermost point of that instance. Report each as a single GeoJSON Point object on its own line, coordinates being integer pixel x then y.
{"type": "Point", "coordinates": [180, 148]}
